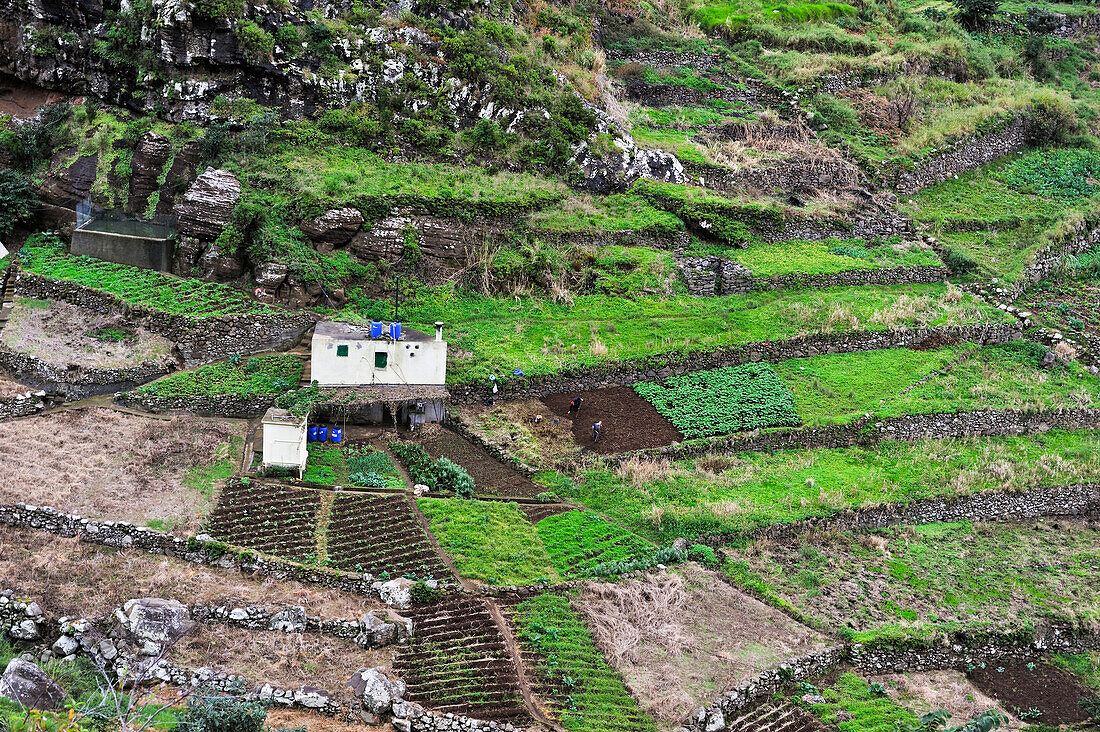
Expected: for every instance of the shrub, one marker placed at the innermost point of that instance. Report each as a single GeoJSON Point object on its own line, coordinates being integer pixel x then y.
{"type": "Point", "coordinates": [417, 461]}
{"type": "Point", "coordinates": [450, 476]}
{"type": "Point", "coordinates": [703, 554]}
{"type": "Point", "coordinates": [17, 200]}
{"type": "Point", "coordinates": [223, 714]}
{"type": "Point", "coordinates": [256, 43]}
{"type": "Point", "coordinates": [973, 13]}
{"type": "Point", "coordinates": [218, 9]}
{"type": "Point", "coordinates": [486, 134]}
{"type": "Point", "coordinates": [1049, 120]}
{"type": "Point", "coordinates": [422, 594]}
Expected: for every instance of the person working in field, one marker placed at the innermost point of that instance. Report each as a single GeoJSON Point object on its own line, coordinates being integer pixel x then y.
{"type": "Point", "coordinates": [575, 405]}
{"type": "Point", "coordinates": [597, 430]}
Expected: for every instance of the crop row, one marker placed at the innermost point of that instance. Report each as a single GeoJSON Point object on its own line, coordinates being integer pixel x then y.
{"type": "Point", "coordinates": [278, 521]}
{"type": "Point", "coordinates": [458, 662]}
{"type": "Point", "coordinates": [380, 535]}
{"type": "Point", "coordinates": [723, 401]}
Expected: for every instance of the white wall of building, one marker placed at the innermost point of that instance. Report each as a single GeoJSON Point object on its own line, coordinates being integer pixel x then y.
{"type": "Point", "coordinates": [407, 362]}
{"type": "Point", "coordinates": [285, 444]}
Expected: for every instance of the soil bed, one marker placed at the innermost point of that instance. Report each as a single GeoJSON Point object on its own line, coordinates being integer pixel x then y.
{"type": "Point", "coordinates": [1054, 692]}
{"type": "Point", "coordinates": [10, 389]}
{"type": "Point", "coordinates": [629, 421]}
{"type": "Point", "coordinates": [492, 477]}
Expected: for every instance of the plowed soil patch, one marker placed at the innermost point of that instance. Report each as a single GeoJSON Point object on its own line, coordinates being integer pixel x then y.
{"type": "Point", "coordinates": [491, 476]}
{"type": "Point", "coordinates": [629, 422]}
{"type": "Point", "coordinates": [1054, 692]}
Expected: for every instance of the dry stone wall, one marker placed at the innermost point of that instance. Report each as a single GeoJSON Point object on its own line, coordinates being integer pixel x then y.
{"type": "Point", "coordinates": [123, 535]}
{"type": "Point", "coordinates": [967, 154]}
{"type": "Point", "coordinates": [1051, 257]}
{"type": "Point", "coordinates": [199, 340]}
{"type": "Point", "coordinates": [23, 405]}
{"type": "Point", "coordinates": [220, 405]}
{"type": "Point", "coordinates": [78, 382]}
{"type": "Point", "coordinates": [663, 366]}
{"type": "Point", "coordinates": [713, 276]}
{"type": "Point", "coordinates": [907, 428]}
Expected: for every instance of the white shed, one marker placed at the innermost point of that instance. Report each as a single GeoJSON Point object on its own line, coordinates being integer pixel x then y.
{"type": "Point", "coordinates": [343, 354]}
{"type": "Point", "coordinates": [3, 250]}
{"type": "Point", "coordinates": [284, 440]}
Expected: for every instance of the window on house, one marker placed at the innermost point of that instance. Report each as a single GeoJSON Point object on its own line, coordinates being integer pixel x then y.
{"type": "Point", "coordinates": [380, 359]}
{"type": "Point", "coordinates": [341, 350]}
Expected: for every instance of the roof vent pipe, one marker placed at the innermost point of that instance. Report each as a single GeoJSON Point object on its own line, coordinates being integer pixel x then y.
{"type": "Point", "coordinates": [439, 330]}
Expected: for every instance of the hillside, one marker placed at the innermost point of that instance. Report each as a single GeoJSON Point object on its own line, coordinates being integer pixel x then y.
{"type": "Point", "coordinates": [764, 393]}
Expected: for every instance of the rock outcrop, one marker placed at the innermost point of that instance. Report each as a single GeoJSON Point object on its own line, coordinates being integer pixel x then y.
{"type": "Point", "coordinates": [333, 228]}
{"type": "Point", "coordinates": [208, 205]}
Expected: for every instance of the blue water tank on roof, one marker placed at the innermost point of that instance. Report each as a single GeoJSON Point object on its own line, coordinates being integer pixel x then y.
{"type": "Point", "coordinates": [395, 331]}
{"type": "Point", "coordinates": [377, 328]}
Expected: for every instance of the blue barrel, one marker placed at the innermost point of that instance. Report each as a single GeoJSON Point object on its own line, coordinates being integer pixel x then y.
{"type": "Point", "coordinates": [395, 331]}
{"type": "Point", "coordinates": [322, 433]}
{"type": "Point", "coordinates": [312, 434]}
{"type": "Point", "coordinates": [377, 328]}
{"type": "Point", "coordinates": [336, 434]}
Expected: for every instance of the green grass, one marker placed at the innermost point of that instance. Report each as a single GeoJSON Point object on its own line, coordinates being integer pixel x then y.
{"type": "Point", "coordinates": [738, 493]}
{"type": "Point", "coordinates": [578, 541]}
{"type": "Point", "coordinates": [733, 15]}
{"type": "Point", "coordinates": [1085, 666]}
{"type": "Point", "coordinates": [598, 215]}
{"type": "Point", "coordinates": [841, 388]}
{"type": "Point", "coordinates": [828, 257]}
{"type": "Point", "coordinates": [335, 176]}
{"type": "Point", "coordinates": [677, 142]}
{"type": "Point", "coordinates": [677, 117]}
{"type": "Point", "coordinates": [44, 255]}
{"type": "Point", "coordinates": [996, 216]}
{"type": "Point", "coordinates": [259, 375]}
{"type": "Point", "coordinates": [723, 401]}
{"type": "Point", "coordinates": [1000, 576]}
{"type": "Point", "coordinates": [489, 541]}
{"type": "Point", "coordinates": [495, 336]}
{"type": "Point", "coordinates": [203, 478]}
{"type": "Point", "coordinates": [868, 710]}
{"type": "Point", "coordinates": [588, 695]}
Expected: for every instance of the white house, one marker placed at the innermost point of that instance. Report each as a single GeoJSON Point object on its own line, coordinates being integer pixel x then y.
{"type": "Point", "coordinates": [284, 440]}
{"type": "Point", "coordinates": [343, 354]}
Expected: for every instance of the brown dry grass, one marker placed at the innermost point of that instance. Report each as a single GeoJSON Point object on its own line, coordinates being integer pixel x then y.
{"type": "Point", "coordinates": [948, 690]}
{"type": "Point", "coordinates": [511, 426]}
{"type": "Point", "coordinates": [10, 389]}
{"type": "Point", "coordinates": [70, 578]}
{"type": "Point", "coordinates": [105, 464]}
{"type": "Point", "coordinates": [58, 333]}
{"type": "Point", "coordinates": [681, 638]}
{"type": "Point", "coordinates": [287, 660]}
{"type": "Point", "coordinates": [293, 719]}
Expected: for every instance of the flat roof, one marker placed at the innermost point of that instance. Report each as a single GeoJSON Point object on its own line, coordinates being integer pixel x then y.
{"type": "Point", "coordinates": [355, 332]}
{"type": "Point", "coordinates": [274, 415]}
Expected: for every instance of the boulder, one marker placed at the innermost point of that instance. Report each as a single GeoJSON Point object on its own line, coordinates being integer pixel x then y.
{"type": "Point", "coordinates": [334, 228]}
{"type": "Point", "coordinates": [149, 160]}
{"type": "Point", "coordinates": [311, 697]}
{"type": "Point", "coordinates": [397, 593]}
{"type": "Point", "coordinates": [207, 206]}
{"type": "Point", "coordinates": [25, 683]}
{"type": "Point", "coordinates": [269, 275]}
{"type": "Point", "coordinates": [376, 632]}
{"type": "Point", "coordinates": [221, 267]}
{"type": "Point", "coordinates": [154, 623]}
{"type": "Point", "coordinates": [377, 690]}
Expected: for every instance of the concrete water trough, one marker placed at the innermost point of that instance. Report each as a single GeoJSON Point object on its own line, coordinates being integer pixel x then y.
{"type": "Point", "coordinates": [143, 244]}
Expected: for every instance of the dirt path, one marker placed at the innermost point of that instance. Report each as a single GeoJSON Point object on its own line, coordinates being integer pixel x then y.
{"type": "Point", "coordinates": [525, 689]}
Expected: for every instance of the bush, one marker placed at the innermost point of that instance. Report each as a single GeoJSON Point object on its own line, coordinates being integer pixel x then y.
{"type": "Point", "coordinates": [703, 554]}
{"type": "Point", "coordinates": [223, 714]}
{"type": "Point", "coordinates": [974, 13]}
{"type": "Point", "coordinates": [17, 200]}
{"type": "Point", "coordinates": [417, 461]}
{"type": "Point", "coordinates": [257, 44]}
{"type": "Point", "coordinates": [368, 480]}
{"type": "Point", "coordinates": [1049, 120]}
{"type": "Point", "coordinates": [423, 595]}
{"type": "Point", "coordinates": [450, 476]}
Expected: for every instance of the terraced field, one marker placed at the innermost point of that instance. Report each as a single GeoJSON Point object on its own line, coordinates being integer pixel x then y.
{"type": "Point", "coordinates": [279, 521]}
{"type": "Point", "coordinates": [381, 534]}
{"type": "Point", "coordinates": [457, 662]}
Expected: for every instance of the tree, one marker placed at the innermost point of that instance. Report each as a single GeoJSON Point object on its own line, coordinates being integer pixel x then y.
{"type": "Point", "coordinates": [17, 200]}
{"type": "Point", "coordinates": [975, 13]}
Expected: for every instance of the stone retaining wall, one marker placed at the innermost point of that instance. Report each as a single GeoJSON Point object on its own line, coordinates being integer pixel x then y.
{"type": "Point", "coordinates": [1049, 259]}
{"type": "Point", "coordinates": [20, 619]}
{"type": "Point", "coordinates": [907, 428]}
{"type": "Point", "coordinates": [199, 340]}
{"type": "Point", "coordinates": [371, 631]}
{"type": "Point", "coordinates": [122, 535]}
{"type": "Point", "coordinates": [78, 382]}
{"type": "Point", "coordinates": [712, 276]}
{"type": "Point", "coordinates": [21, 406]}
{"type": "Point", "coordinates": [671, 242]}
{"type": "Point", "coordinates": [663, 366]}
{"type": "Point", "coordinates": [220, 405]}
{"type": "Point", "coordinates": [762, 686]}
{"type": "Point", "coordinates": [967, 154]}
{"type": "Point", "coordinates": [1038, 502]}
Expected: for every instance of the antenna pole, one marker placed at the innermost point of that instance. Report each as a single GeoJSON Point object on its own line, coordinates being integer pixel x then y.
{"type": "Point", "coordinates": [396, 295]}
